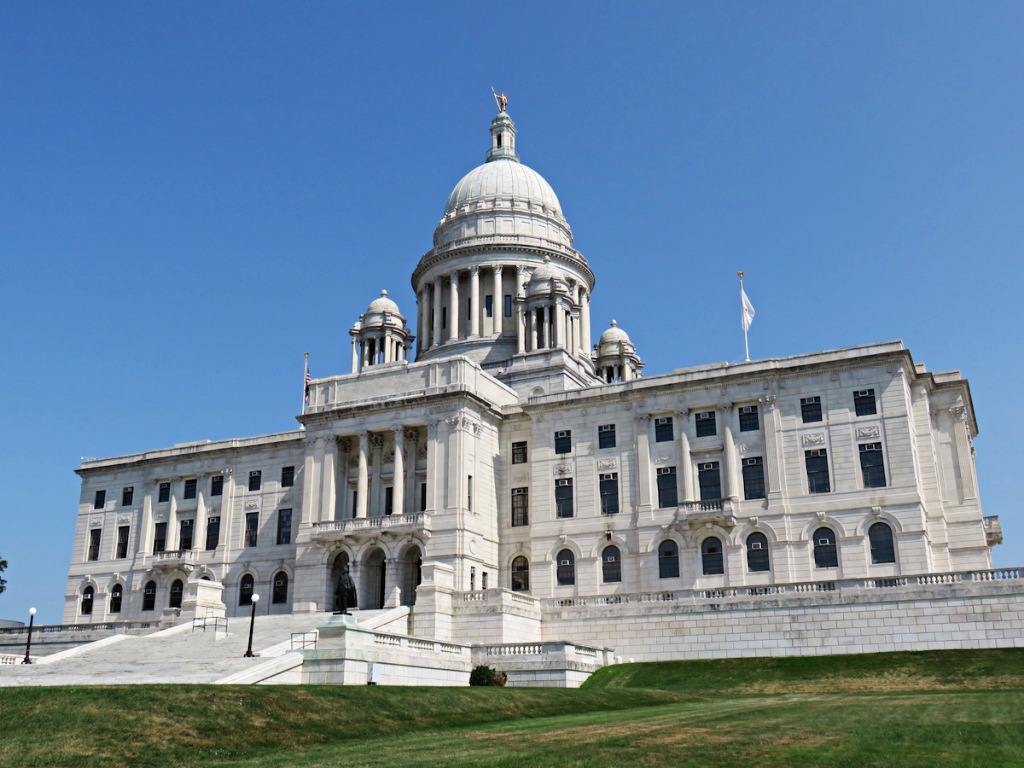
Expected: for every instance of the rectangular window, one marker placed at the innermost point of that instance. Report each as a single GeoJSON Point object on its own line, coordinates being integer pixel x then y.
{"type": "Point", "coordinates": [663, 429]}
{"type": "Point", "coordinates": [255, 479]}
{"type": "Point", "coordinates": [710, 480]}
{"type": "Point", "coordinates": [668, 496]}
{"type": "Point", "coordinates": [252, 526]}
{"type": "Point", "coordinates": [864, 402]}
{"type": "Point", "coordinates": [705, 424]}
{"type": "Point", "coordinates": [606, 436]}
{"type": "Point", "coordinates": [190, 488]}
{"type": "Point", "coordinates": [423, 497]}
{"type": "Point", "coordinates": [217, 485]}
{"type": "Point", "coordinates": [489, 305]}
{"type": "Point", "coordinates": [508, 305]}
{"type": "Point", "coordinates": [469, 493]}
{"type": "Point", "coordinates": [817, 471]}
{"type": "Point", "coordinates": [749, 421]}
{"type": "Point", "coordinates": [284, 526]}
{"type": "Point", "coordinates": [609, 488]}
{"type": "Point", "coordinates": [287, 477]}
{"type": "Point", "coordinates": [563, 441]}
{"type": "Point", "coordinates": [519, 453]}
{"type": "Point", "coordinates": [122, 541]}
{"type": "Point", "coordinates": [159, 537]}
{"type": "Point", "coordinates": [185, 534]}
{"type": "Point", "coordinates": [871, 466]}
{"type": "Point", "coordinates": [810, 409]}
{"type": "Point", "coordinates": [753, 478]}
{"type": "Point", "coordinates": [94, 543]}
{"type": "Point", "coordinates": [520, 506]}
{"type": "Point", "coordinates": [389, 499]}
{"type": "Point", "coordinates": [563, 498]}
{"type": "Point", "coordinates": [127, 495]}
{"type": "Point", "coordinates": [99, 500]}
{"type": "Point", "coordinates": [164, 493]}
{"type": "Point", "coordinates": [212, 532]}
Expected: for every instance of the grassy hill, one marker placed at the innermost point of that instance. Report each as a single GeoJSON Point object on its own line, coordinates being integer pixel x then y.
{"type": "Point", "coordinates": [963, 708]}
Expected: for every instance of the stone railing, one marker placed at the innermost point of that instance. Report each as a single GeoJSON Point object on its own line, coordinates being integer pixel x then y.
{"type": "Point", "coordinates": [175, 558]}
{"type": "Point", "coordinates": [909, 586]}
{"type": "Point", "coordinates": [332, 530]}
{"type": "Point", "coordinates": [104, 626]}
{"type": "Point", "coordinates": [418, 644]}
{"type": "Point", "coordinates": [7, 659]}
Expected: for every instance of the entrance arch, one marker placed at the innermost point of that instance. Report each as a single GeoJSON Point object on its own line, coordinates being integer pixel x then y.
{"type": "Point", "coordinates": [410, 573]}
{"type": "Point", "coordinates": [371, 588]}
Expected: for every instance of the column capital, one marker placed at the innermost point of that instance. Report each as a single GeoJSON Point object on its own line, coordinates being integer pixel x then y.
{"type": "Point", "coordinates": [412, 435]}
{"type": "Point", "coordinates": [497, 268]}
{"type": "Point", "coordinates": [453, 276]}
{"type": "Point", "coordinates": [682, 413]}
{"type": "Point", "coordinates": [768, 402]}
{"type": "Point", "coordinates": [474, 270]}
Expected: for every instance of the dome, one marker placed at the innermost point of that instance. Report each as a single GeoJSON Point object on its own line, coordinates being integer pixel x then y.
{"type": "Point", "coordinates": [503, 200]}
{"type": "Point", "coordinates": [614, 335]}
{"type": "Point", "coordinates": [382, 304]}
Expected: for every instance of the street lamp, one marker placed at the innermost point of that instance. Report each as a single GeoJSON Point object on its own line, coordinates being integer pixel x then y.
{"type": "Point", "coordinates": [28, 643]}
{"type": "Point", "coordinates": [252, 623]}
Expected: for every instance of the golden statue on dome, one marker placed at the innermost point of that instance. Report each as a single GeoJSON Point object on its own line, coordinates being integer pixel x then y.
{"type": "Point", "coordinates": [500, 100]}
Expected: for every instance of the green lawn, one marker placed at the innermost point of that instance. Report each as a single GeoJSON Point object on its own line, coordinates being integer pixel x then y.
{"type": "Point", "coordinates": [933, 709]}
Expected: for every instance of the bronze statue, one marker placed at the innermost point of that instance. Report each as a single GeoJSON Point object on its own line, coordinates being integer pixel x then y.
{"type": "Point", "coordinates": [345, 594]}
{"type": "Point", "coordinates": [500, 99]}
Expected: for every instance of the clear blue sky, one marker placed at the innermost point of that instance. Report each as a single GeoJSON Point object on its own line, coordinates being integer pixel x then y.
{"type": "Point", "coordinates": [195, 193]}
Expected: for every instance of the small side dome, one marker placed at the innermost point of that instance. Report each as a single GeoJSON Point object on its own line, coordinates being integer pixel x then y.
{"type": "Point", "coordinates": [544, 279]}
{"type": "Point", "coordinates": [614, 335]}
{"type": "Point", "coordinates": [382, 304]}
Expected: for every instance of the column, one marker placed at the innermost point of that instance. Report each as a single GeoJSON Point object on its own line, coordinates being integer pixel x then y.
{"type": "Point", "coordinates": [643, 459]}
{"type": "Point", "coordinates": [432, 462]}
{"type": "Point", "coordinates": [227, 514]}
{"type": "Point", "coordinates": [412, 437]}
{"type": "Point", "coordinates": [341, 486]}
{"type": "Point", "coordinates": [388, 352]}
{"type": "Point", "coordinates": [531, 326]}
{"type": "Point", "coordinates": [420, 322]}
{"type": "Point", "coordinates": [199, 526]}
{"type": "Point", "coordinates": [311, 480]}
{"type": "Point", "coordinates": [585, 320]}
{"type": "Point", "coordinates": [398, 477]}
{"type": "Point", "coordinates": [457, 426]}
{"type": "Point", "coordinates": [558, 326]}
{"type": "Point", "coordinates": [144, 537]}
{"type": "Point", "coordinates": [577, 327]}
{"type": "Point", "coordinates": [376, 486]}
{"type": "Point", "coordinates": [498, 308]}
{"type": "Point", "coordinates": [728, 468]}
{"type": "Point", "coordinates": [521, 321]}
{"type": "Point", "coordinates": [355, 354]}
{"type": "Point", "coordinates": [453, 307]}
{"type": "Point", "coordinates": [329, 481]}
{"type": "Point", "coordinates": [684, 472]}
{"type": "Point", "coordinates": [362, 478]}
{"type": "Point", "coordinates": [435, 337]}
{"type": "Point", "coordinates": [772, 444]}
{"type": "Point", "coordinates": [963, 452]}
{"type": "Point", "coordinates": [549, 326]}
{"type": "Point", "coordinates": [474, 302]}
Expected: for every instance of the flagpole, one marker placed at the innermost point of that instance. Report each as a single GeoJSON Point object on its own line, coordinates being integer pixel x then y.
{"type": "Point", "coordinates": [743, 319]}
{"type": "Point", "coordinates": [305, 381]}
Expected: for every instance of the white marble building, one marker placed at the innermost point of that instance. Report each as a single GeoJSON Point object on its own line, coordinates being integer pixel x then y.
{"type": "Point", "coordinates": [500, 464]}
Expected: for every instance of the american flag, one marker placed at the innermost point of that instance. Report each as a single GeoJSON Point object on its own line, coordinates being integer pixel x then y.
{"type": "Point", "coordinates": [308, 379]}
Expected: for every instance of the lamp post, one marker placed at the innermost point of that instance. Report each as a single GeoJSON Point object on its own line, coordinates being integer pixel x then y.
{"type": "Point", "coordinates": [28, 643]}
{"type": "Point", "coordinates": [252, 623]}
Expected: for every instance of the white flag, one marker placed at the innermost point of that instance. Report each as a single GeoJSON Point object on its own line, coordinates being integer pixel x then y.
{"type": "Point", "coordinates": [748, 310]}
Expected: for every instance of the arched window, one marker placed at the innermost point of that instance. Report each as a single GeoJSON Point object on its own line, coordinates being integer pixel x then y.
{"type": "Point", "coordinates": [611, 564]}
{"type": "Point", "coordinates": [882, 548]}
{"type": "Point", "coordinates": [825, 554]}
{"type": "Point", "coordinates": [245, 587]}
{"type": "Point", "coordinates": [279, 594]}
{"type": "Point", "coordinates": [149, 596]}
{"type": "Point", "coordinates": [757, 552]}
{"type": "Point", "coordinates": [566, 568]}
{"type": "Point", "coordinates": [520, 574]}
{"type": "Point", "coordinates": [177, 588]}
{"type": "Point", "coordinates": [668, 559]}
{"type": "Point", "coordinates": [711, 558]}
{"type": "Point", "coordinates": [87, 595]}
{"type": "Point", "coordinates": [115, 598]}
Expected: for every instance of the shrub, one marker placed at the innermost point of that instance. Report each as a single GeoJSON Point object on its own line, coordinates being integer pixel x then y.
{"type": "Point", "coordinates": [484, 675]}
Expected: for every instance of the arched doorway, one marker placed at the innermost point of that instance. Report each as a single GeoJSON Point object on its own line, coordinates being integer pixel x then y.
{"type": "Point", "coordinates": [410, 573]}
{"type": "Point", "coordinates": [373, 582]}
{"type": "Point", "coordinates": [338, 566]}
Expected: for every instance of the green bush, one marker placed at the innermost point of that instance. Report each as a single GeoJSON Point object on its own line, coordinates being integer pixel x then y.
{"type": "Point", "coordinates": [484, 675]}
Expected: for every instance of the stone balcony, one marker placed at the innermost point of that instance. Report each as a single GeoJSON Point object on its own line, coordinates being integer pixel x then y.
{"type": "Point", "coordinates": [993, 531]}
{"type": "Point", "coordinates": [335, 530]}
{"type": "Point", "coordinates": [694, 514]}
{"type": "Point", "coordinates": [176, 560]}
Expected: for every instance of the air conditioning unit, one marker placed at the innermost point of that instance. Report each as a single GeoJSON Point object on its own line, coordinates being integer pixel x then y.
{"type": "Point", "coordinates": [564, 562]}
{"type": "Point", "coordinates": [609, 476]}
{"type": "Point", "coordinates": [663, 420]}
{"type": "Point", "coordinates": [751, 462]}
{"type": "Point", "coordinates": [666, 470]}
{"type": "Point", "coordinates": [863, 393]}
{"type": "Point", "coordinates": [756, 545]}
{"type": "Point", "coordinates": [824, 542]}
{"type": "Point", "coordinates": [610, 559]}
{"type": "Point", "coordinates": [563, 433]}
{"type": "Point", "coordinates": [748, 409]}
{"type": "Point", "coordinates": [708, 466]}
{"type": "Point", "coordinates": [705, 415]}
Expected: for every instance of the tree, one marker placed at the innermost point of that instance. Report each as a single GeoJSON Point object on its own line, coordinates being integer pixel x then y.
{"type": "Point", "coordinates": [3, 582]}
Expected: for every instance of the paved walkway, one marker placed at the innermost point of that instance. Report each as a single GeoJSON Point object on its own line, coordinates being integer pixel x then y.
{"type": "Point", "coordinates": [176, 655]}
